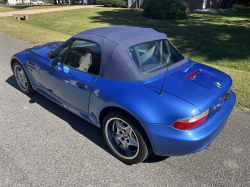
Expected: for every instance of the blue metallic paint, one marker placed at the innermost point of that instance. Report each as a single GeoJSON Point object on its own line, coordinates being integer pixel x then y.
{"type": "Point", "coordinates": [63, 84]}
{"type": "Point", "coordinates": [170, 141]}
{"type": "Point", "coordinates": [157, 114]}
{"type": "Point", "coordinates": [199, 90]}
{"type": "Point", "coordinates": [144, 103]}
{"type": "Point", "coordinates": [67, 106]}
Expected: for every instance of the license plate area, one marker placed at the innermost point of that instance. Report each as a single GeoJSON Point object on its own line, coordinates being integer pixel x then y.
{"type": "Point", "coordinates": [218, 105]}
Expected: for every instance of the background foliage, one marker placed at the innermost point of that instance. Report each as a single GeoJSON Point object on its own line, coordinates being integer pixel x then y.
{"type": "Point", "coordinates": [166, 9]}
{"type": "Point", "coordinates": [112, 3]}
{"type": "Point", "coordinates": [242, 2]}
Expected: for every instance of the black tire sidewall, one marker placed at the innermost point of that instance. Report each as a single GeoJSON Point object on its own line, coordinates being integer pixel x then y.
{"type": "Point", "coordinates": [29, 89]}
{"type": "Point", "coordinates": [143, 147]}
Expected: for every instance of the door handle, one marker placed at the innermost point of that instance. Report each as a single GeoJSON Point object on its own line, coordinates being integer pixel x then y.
{"type": "Point", "coordinates": [84, 86]}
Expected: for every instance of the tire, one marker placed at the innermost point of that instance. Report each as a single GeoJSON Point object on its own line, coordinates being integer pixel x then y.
{"type": "Point", "coordinates": [22, 79]}
{"type": "Point", "coordinates": [125, 137]}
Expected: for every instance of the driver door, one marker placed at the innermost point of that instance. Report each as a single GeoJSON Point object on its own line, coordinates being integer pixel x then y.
{"type": "Point", "coordinates": [73, 77]}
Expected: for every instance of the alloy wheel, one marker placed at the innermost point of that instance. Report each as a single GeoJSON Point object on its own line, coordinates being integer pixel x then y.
{"type": "Point", "coordinates": [21, 78]}
{"type": "Point", "coordinates": [122, 138]}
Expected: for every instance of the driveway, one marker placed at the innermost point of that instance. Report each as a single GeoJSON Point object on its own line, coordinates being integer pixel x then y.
{"type": "Point", "coordinates": [42, 144]}
{"type": "Point", "coordinates": [36, 11]}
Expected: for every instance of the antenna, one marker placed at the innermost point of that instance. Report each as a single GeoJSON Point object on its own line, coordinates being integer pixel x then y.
{"type": "Point", "coordinates": [164, 81]}
{"type": "Point", "coordinates": [168, 61]}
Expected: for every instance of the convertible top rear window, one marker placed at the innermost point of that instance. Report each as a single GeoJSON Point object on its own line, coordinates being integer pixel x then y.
{"type": "Point", "coordinates": [154, 55]}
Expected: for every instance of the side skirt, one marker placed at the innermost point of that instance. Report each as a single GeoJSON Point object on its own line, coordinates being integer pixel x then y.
{"type": "Point", "coordinates": [65, 105]}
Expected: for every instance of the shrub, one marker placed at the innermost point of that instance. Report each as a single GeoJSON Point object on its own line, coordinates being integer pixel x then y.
{"type": "Point", "coordinates": [112, 3]}
{"type": "Point", "coordinates": [241, 2]}
{"type": "Point", "coordinates": [99, 2]}
{"type": "Point", "coordinates": [166, 9]}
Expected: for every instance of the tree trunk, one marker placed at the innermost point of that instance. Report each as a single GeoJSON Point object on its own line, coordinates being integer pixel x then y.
{"type": "Point", "coordinates": [55, 2]}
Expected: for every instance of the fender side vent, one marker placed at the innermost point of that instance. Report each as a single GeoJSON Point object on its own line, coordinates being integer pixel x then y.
{"type": "Point", "coordinates": [31, 65]}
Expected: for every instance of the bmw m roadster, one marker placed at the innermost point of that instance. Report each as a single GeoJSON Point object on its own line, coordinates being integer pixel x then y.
{"type": "Point", "coordinates": [135, 85]}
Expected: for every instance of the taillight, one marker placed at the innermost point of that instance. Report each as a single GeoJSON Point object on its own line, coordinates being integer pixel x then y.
{"type": "Point", "coordinates": [191, 122]}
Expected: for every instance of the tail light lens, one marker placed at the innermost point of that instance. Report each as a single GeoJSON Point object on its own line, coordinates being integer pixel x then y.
{"type": "Point", "coordinates": [191, 122]}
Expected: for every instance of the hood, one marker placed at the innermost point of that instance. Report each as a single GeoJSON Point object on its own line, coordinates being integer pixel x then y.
{"type": "Point", "coordinates": [42, 50]}
{"type": "Point", "coordinates": [199, 90]}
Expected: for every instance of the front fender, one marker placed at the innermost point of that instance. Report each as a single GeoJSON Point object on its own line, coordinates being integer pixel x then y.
{"type": "Point", "coordinates": [21, 58]}
{"type": "Point", "coordinates": [33, 72]}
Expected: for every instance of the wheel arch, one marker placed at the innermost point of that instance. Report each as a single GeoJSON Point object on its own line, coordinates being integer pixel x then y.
{"type": "Point", "coordinates": [108, 109]}
{"type": "Point", "coordinates": [15, 59]}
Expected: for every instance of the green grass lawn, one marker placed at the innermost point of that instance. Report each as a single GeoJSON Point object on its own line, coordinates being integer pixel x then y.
{"type": "Point", "coordinates": [24, 7]}
{"type": "Point", "coordinates": [219, 39]}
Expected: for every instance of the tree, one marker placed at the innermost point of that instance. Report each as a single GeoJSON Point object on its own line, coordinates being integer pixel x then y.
{"type": "Point", "coordinates": [3, 1]}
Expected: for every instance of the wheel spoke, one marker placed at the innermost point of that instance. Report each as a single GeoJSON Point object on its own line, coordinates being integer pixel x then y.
{"type": "Point", "coordinates": [129, 130]}
{"type": "Point", "coordinates": [132, 142]}
{"type": "Point", "coordinates": [114, 135]}
{"type": "Point", "coordinates": [115, 129]}
{"type": "Point", "coordinates": [119, 138]}
{"type": "Point", "coordinates": [24, 79]}
{"type": "Point", "coordinates": [21, 77]}
{"type": "Point", "coordinates": [19, 74]}
{"type": "Point", "coordinates": [124, 144]}
{"type": "Point", "coordinates": [118, 125]}
{"type": "Point", "coordinates": [127, 150]}
{"type": "Point", "coordinates": [23, 83]}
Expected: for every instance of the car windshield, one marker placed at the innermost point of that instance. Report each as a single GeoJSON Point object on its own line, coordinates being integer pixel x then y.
{"type": "Point", "coordinates": [154, 55]}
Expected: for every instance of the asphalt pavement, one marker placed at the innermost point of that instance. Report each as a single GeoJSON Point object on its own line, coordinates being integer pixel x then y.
{"type": "Point", "coordinates": [42, 144]}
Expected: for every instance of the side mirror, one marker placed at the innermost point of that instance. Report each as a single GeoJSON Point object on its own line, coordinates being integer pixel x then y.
{"type": "Point", "coordinates": [54, 62]}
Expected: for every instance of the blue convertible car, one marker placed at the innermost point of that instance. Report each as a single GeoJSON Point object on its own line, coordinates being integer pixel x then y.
{"type": "Point", "coordinates": [133, 84]}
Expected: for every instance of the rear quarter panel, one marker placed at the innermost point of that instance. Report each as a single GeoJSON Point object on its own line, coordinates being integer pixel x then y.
{"type": "Point", "coordinates": [143, 103]}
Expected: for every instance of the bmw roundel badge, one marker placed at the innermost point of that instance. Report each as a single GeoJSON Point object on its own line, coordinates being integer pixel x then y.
{"type": "Point", "coordinates": [218, 84]}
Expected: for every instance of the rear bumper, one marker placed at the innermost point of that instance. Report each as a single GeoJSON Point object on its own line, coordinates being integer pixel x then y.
{"type": "Point", "coordinates": [168, 141]}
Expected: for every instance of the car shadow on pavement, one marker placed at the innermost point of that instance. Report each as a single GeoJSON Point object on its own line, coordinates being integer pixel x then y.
{"type": "Point", "coordinates": [155, 158]}
{"type": "Point", "coordinates": [80, 125]}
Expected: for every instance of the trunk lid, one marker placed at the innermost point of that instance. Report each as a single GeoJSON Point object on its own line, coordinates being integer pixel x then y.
{"type": "Point", "coordinates": [199, 90]}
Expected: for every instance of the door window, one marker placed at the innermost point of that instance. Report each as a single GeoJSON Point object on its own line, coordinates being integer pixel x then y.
{"type": "Point", "coordinates": [84, 56]}
{"type": "Point", "coordinates": [61, 53]}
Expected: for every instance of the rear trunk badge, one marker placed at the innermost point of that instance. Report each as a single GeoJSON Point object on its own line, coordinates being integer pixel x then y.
{"type": "Point", "coordinates": [218, 84]}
